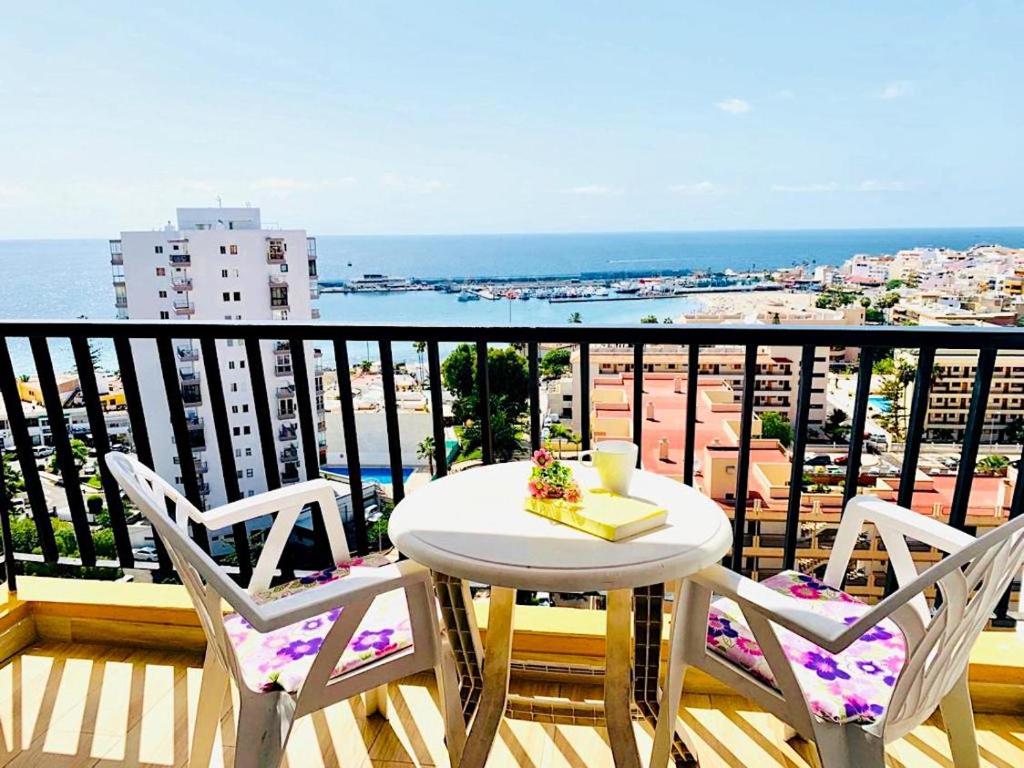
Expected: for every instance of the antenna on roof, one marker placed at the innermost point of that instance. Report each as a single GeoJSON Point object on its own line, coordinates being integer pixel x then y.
{"type": "Point", "coordinates": [219, 204]}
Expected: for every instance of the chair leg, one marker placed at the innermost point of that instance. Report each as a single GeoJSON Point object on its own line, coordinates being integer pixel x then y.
{"type": "Point", "coordinates": [848, 746]}
{"type": "Point", "coordinates": [451, 703]}
{"type": "Point", "coordinates": [375, 701]}
{"type": "Point", "coordinates": [958, 717]}
{"type": "Point", "coordinates": [264, 725]}
{"type": "Point", "coordinates": [214, 688]}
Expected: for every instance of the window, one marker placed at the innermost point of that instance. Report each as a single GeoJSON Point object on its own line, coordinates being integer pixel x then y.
{"type": "Point", "coordinates": [251, 493]}
{"type": "Point", "coordinates": [223, 272]}
{"type": "Point", "coordinates": [160, 271]}
{"type": "Point", "coordinates": [163, 294]}
{"type": "Point", "coordinates": [248, 473]}
{"type": "Point", "coordinates": [165, 315]}
{"type": "Point", "coordinates": [234, 386]}
{"type": "Point", "coordinates": [223, 249]}
{"type": "Point", "coordinates": [239, 473]}
{"type": "Point", "coordinates": [226, 296]}
{"type": "Point", "coordinates": [234, 250]}
{"type": "Point", "coordinates": [234, 409]}
{"type": "Point", "coordinates": [230, 342]}
{"type": "Point", "coordinates": [284, 267]}
{"type": "Point", "coordinates": [246, 430]}
{"type": "Point", "coordinates": [238, 453]}
{"type": "Point", "coordinates": [245, 406]}
{"type": "Point", "coordinates": [241, 363]}
{"type": "Point", "coordinates": [158, 249]}
{"type": "Point", "coordinates": [248, 451]}
{"type": "Point", "coordinates": [236, 431]}
{"type": "Point", "coordinates": [238, 295]}
{"type": "Point", "coordinates": [231, 365]}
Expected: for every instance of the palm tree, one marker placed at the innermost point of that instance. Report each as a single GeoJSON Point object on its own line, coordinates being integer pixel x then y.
{"type": "Point", "coordinates": [420, 346]}
{"type": "Point", "coordinates": [425, 450]}
{"type": "Point", "coordinates": [575, 318]}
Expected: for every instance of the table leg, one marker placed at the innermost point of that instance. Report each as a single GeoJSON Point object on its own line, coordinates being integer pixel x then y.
{"type": "Point", "coordinates": [497, 655]}
{"type": "Point", "coordinates": [617, 683]}
{"type": "Point", "coordinates": [668, 724]}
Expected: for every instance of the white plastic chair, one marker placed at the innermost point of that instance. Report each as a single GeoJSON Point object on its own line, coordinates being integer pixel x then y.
{"type": "Point", "coordinates": [326, 669]}
{"type": "Point", "coordinates": [814, 639]}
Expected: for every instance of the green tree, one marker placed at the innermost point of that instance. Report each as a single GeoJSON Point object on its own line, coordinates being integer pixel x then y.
{"type": "Point", "coordinates": [835, 427]}
{"type": "Point", "coordinates": [893, 390]}
{"type": "Point", "coordinates": [420, 347]}
{"type": "Point", "coordinates": [365, 366]}
{"type": "Point", "coordinates": [993, 464]}
{"type": "Point", "coordinates": [504, 435]}
{"type": "Point", "coordinates": [555, 363]}
{"type": "Point", "coordinates": [892, 285]}
{"type": "Point", "coordinates": [648, 320]}
{"type": "Point", "coordinates": [13, 481]}
{"type": "Point", "coordinates": [575, 318]}
{"type": "Point", "coordinates": [776, 426]}
{"type": "Point", "coordinates": [103, 540]}
{"type": "Point", "coordinates": [508, 380]}
{"type": "Point", "coordinates": [887, 301]}
{"type": "Point", "coordinates": [1013, 431]}
{"type": "Point", "coordinates": [79, 450]}
{"type": "Point", "coordinates": [667, 321]}
{"type": "Point", "coordinates": [425, 450]}
{"type": "Point", "coordinates": [875, 316]}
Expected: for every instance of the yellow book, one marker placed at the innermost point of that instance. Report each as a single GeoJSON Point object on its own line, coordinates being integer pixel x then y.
{"type": "Point", "coordinates": [601, 513]}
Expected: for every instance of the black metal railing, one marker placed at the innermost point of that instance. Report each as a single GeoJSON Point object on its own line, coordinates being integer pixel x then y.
{"type": "Point", "coordinates": [690, 339]}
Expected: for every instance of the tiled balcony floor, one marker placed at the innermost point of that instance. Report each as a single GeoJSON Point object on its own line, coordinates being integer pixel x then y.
{"type": "Point", "coordinates": [79, 705]}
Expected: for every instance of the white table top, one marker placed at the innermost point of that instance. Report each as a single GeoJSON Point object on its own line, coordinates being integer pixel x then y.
{"type": "Point", "coordinates": [473, 525]}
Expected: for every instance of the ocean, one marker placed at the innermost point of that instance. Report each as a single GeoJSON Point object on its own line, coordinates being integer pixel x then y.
{"type": "Point", "coordinates": [71, 278]}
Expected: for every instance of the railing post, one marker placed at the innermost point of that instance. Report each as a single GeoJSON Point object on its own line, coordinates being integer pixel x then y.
{"type": "Point", "coordinates": [743, 463]}
{"type": "Point", "coordinates": [348, 428]}
{"type": "Point", "coordinates": [860, 414]}
{"type": "Point", "coordinates": [638, 401]}
{"type": "Point", "coordinates": [692, 371]}
{"type": "Point", "coordinates": [796, 469]}
{"type": "Point", "coordinates": [483, 388]}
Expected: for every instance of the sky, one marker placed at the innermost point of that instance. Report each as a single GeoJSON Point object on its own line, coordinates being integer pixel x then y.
{"type": "Point", "coordinates": [442, 117]}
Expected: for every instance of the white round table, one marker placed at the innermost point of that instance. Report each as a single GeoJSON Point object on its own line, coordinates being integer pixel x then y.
{"type": "Point", "coordinates": [472, 526]}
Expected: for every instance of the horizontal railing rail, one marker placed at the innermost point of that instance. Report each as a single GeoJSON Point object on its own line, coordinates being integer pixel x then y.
{"type": "Point", "coordinates": [635, 341]}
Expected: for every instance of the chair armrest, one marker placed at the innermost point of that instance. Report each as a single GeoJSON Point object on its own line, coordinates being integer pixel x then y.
{"type": "Point", "coordinates": [266, 504]}
{"type": "Point", "coordinates": [919, 527]}
{"type": "Point", "coordinates": [359, 584]}
{"type": "Point", "coordinates": [893, 523]}
{"type": "Point", "coordinates": [789, 612]}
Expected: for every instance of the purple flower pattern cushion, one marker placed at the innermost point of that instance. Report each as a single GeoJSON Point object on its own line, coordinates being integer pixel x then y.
{"type": "Point", "coordinates": [280, 660]}
{"type": "Point", "coordinates": [852, 686]}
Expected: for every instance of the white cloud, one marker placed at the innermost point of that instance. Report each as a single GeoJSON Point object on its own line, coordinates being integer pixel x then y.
{"type": "Point", "coordinates": [285, 186]}
{"type": "Point", "coordinates": [828, 186]}
{"type": "Point", "coordinates": [699, 189]}
{"type": "Point", "coordinates": [874, 185]}
{"type": "Point", "coordinates": [594, 190]}
{"type": "Point", "coordinates": [12, 191]}
{"type": "Point", "coordinates": [402, 183]}
{"type": "Point", "coordinates": [894, 90]}
{"type": "Point", "coordinates": [734, 106]}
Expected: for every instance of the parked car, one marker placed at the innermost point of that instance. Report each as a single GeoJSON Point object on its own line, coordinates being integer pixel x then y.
{"type": "Point", "coordinates": [821, 460]}
{"type": "Point", "coordinates": [42, 451]}
{"type": "Point", "coordinates": [841, 460]}
{"type": "Point", "coordinates": [145, 554]}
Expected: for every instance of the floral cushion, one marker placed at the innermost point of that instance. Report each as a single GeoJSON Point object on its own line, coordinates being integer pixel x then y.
{"type": "Point", "coordinates": [852, 686]}
{"type": "Point", "coordinates": [280, 660]}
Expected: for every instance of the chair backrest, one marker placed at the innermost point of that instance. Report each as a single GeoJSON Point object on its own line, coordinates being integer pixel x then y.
{"type": "Point", "coordinates": [970, 582]}
{"type": "Point", "coordinates": [206, 582]}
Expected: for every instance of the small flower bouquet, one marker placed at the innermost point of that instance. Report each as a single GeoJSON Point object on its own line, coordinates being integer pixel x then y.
{"type": "Point", "coordinates": [550, 479]}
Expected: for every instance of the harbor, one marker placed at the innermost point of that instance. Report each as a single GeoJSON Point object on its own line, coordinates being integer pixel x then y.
{"type": "Point", "coordinates": [562, 290]}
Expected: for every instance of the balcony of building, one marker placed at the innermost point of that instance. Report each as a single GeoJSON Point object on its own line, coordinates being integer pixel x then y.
{"type": "Point", "coordinates": [311, 248]}
{"type": "Point", "coordinates": [276, 250]}
{"type": "Point", "coordinates": [289, 453]}
{"type": "Point", "coordinates": [178, 254]}
{"type": "Point", "coordinates": [116, 254]}
{"type": "Point", "coordinates": [187, 353]}
{"type": "Point", "coordinates": [287, 432]}
{"type": "Point", "coordinates": [314, 313]}
{"type": "Point", "coordinates": [184, 308]}
{"type": "Point", "coordinates": [107, 673]}
{"type": "Point", "coordinates": [181, 283]}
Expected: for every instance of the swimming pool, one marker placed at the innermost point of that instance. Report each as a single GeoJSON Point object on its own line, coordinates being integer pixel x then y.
{"type": "Point", "coordinates": [879, 402]}
{"type": "Point", "coordinates": [371, 473]}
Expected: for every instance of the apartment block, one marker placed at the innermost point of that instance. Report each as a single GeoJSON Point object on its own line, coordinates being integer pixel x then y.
{"type": "Point", "coordinates": [220, 264]}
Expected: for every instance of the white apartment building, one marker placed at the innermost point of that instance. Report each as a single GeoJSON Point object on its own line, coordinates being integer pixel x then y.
{"type": "Point", "coordinates": [220, 264]}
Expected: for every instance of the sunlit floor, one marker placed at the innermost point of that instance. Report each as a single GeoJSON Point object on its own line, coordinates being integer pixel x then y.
{"type": "Point", "coordinates": [64, 705]}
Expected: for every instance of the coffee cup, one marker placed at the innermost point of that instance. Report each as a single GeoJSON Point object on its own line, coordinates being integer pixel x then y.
{"type": "Point", "coordinates": [614, 461]}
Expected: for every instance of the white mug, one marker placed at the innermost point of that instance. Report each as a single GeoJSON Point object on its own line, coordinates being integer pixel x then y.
{"type": "Point", "coordinates": [614, 461]}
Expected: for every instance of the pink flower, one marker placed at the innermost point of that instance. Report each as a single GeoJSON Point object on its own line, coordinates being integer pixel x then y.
{"type": "Point", "coordinates": [536, 489]}
{"type": "Point", "coordinates": [572, 494]}
{"type": "Point", "coordinates": [748, 646]}
{"type": "Point", "coordinates": [542, 457]}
